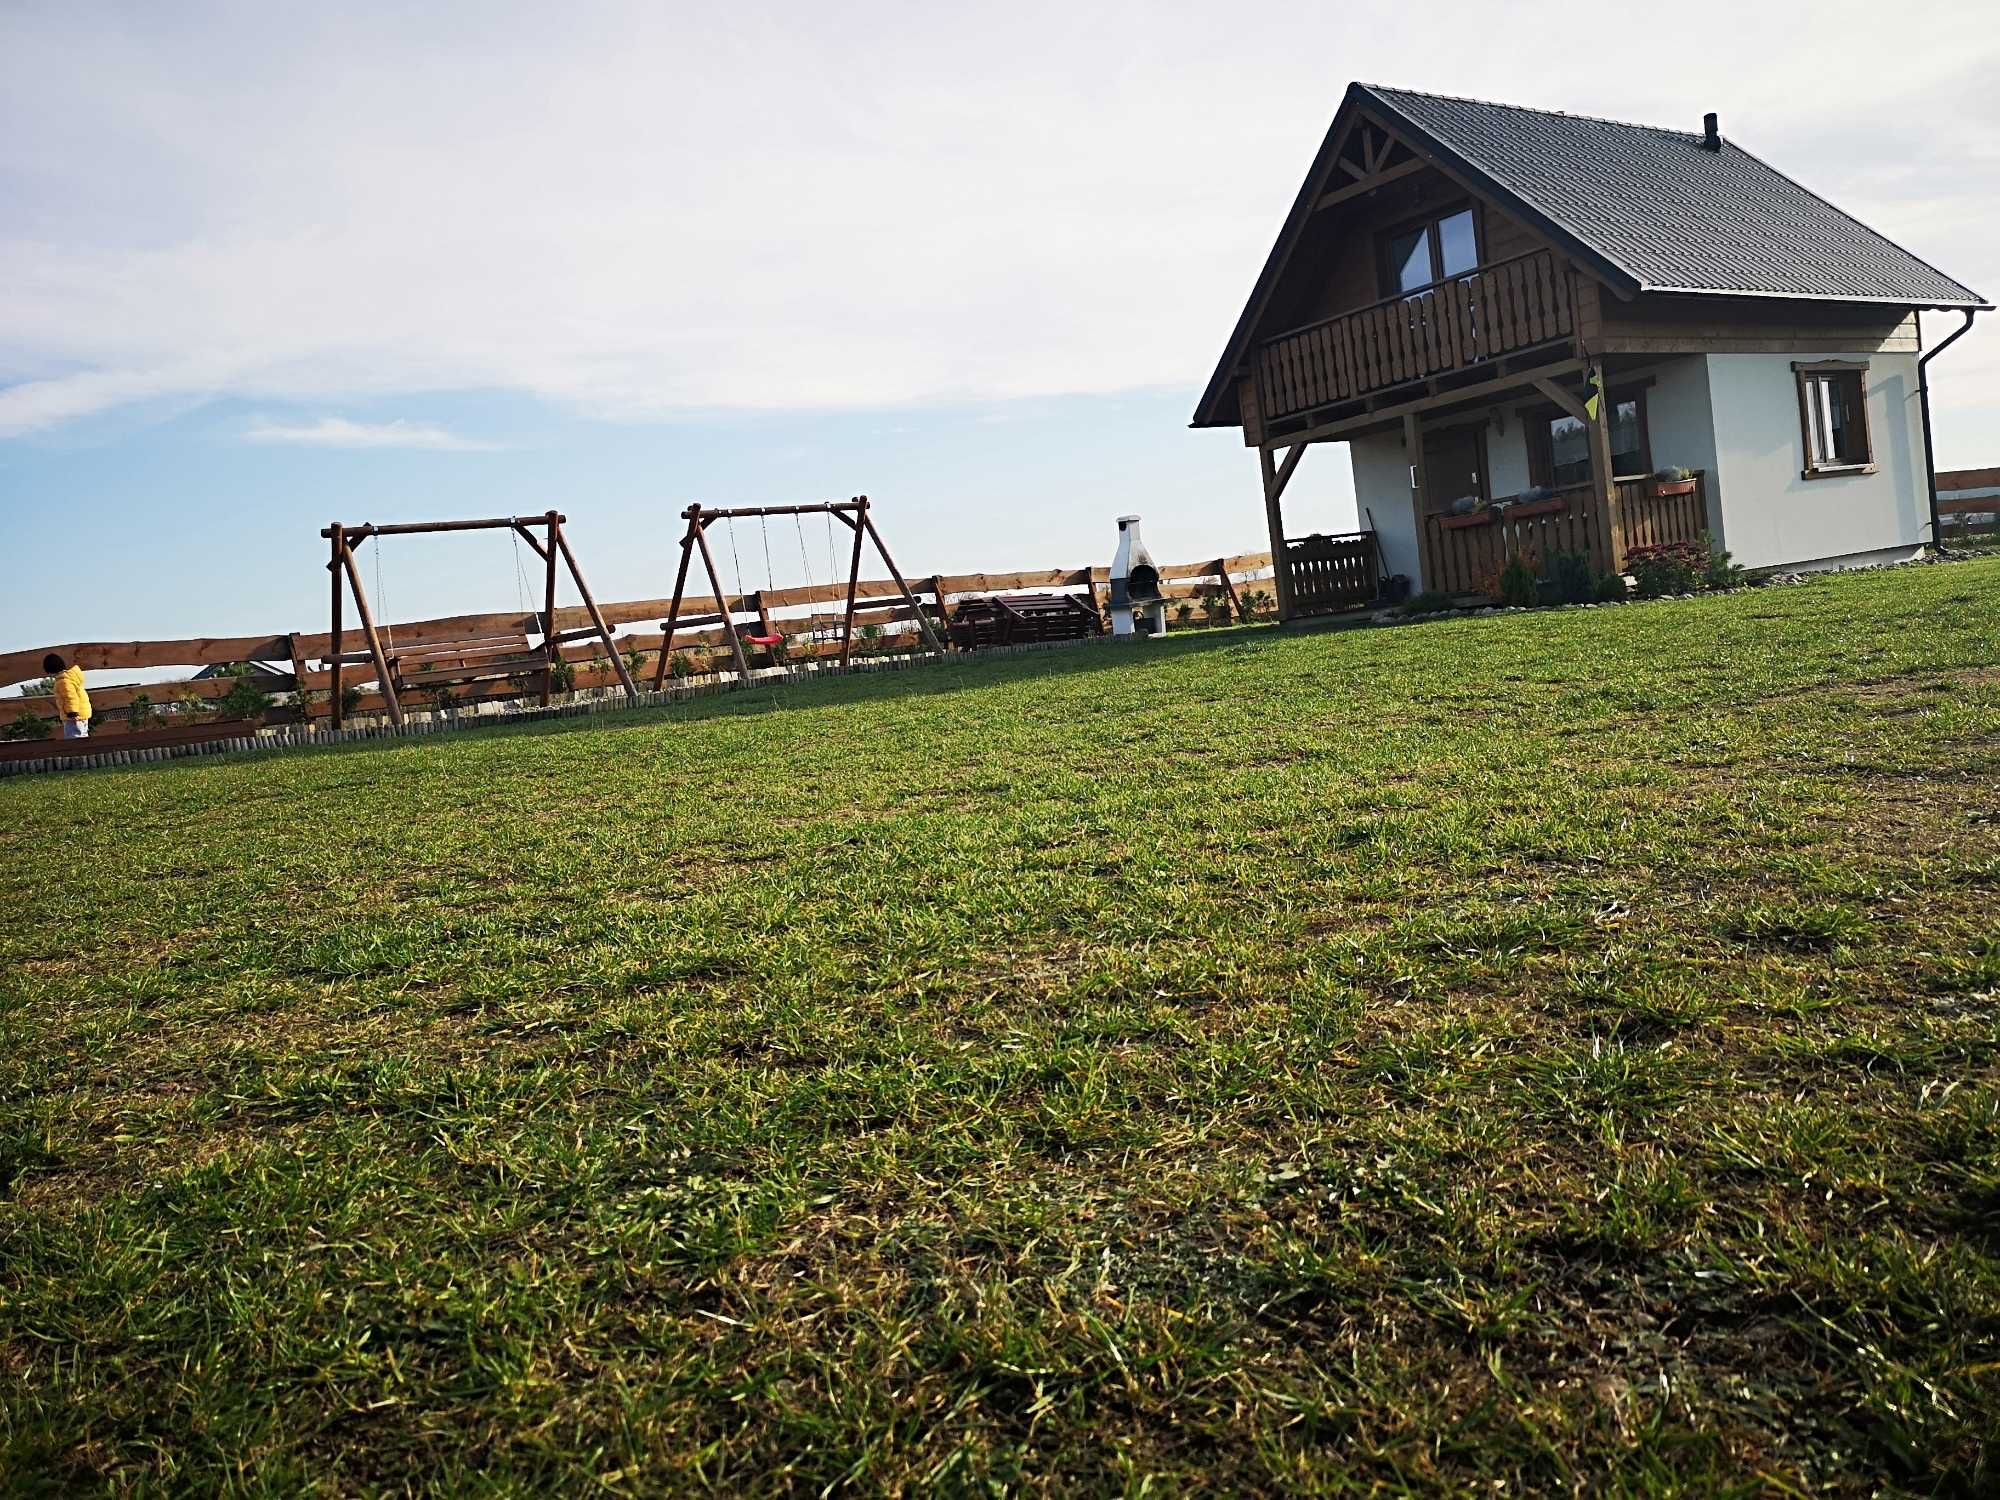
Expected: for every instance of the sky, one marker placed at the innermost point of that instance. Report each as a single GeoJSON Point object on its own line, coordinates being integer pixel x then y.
{"type": "Point", "coordinates": [263, 267]}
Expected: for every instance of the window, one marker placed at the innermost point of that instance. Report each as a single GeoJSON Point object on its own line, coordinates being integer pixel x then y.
{"type": "Point", "coordinates": [1559, 445]}
{"type": "Point", "coordinates": [1833, 418]}
{"type": "Point", "coordinates": [1419, 254]}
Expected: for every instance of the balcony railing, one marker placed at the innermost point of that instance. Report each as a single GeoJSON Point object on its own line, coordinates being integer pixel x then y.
{"type": "Point", "coordinates": [1454, 324]}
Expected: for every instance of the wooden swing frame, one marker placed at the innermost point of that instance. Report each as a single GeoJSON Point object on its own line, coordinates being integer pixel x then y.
{"type": "Point", "coordinates": [552, 546]}
{"type": "Point", "coordinates": [853, 514]}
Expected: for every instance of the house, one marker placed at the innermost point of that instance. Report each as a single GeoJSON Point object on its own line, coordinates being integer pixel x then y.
{"type": "Point", "coordinates": [1514, 318]}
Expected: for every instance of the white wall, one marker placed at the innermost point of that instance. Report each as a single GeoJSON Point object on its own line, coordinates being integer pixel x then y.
{"type": "Point", "coordinates": [1680, 426]}
{"type": "Point", "coordinates": [1771, 517]}
{"type": "Point", "coordinates": [1382, 485]}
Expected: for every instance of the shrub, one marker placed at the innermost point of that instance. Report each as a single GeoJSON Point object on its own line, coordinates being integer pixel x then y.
{"type": "Point", "coordinates": [1571, 579]}
{"type": "Point", "coordinates": [1184, 614]}
{"type": "Point", "coordinates": [245, 699]}
{"type": "Point", "coordinates": [139, 712]}
{"type": "Point", "coordinates": [1518, 586]}
{"type": "Point", "coordinates": [562, 676]}
{"type": "Point", "coordinates": [680, 665]}
{"type": "Point", "coordinates": [1721, 573]}
{"type": "Point", "coordinates": [634, 660]}
{"type": "Point", "coordinates": [1670, 568]}
{"type": "Point", "coordinates": [1610, 589]}
{"type": "Point", "coordinates": [871, 637]}
{"type": "Point", "coordinates": [1429, 602]}
{"type": "Point", "coordinates": [350, 699]}
{"type": "Point", "coordinates": [29, 727]}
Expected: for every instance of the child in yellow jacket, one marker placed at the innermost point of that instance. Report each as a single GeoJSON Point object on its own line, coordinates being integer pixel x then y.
{"type": "Point", "coordinates": [72, 702]}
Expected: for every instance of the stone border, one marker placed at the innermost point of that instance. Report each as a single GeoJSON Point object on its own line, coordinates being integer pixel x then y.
{"type": "Point", "coordinates": [604, 700]}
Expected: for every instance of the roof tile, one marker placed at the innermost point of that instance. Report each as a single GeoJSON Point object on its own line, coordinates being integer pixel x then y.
{"type": "Point", "coordinates": [1675, 216]}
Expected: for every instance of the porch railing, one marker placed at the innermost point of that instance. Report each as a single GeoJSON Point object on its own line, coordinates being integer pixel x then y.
{"type": "Point", "coordinates": [1328, 574]}
{"type": "Point", "coordinates": [1654, 515]}
{"type": "Point", "coordinates": [1456, 323]}
{"type": "Point", "coordinates": [1464, 554]}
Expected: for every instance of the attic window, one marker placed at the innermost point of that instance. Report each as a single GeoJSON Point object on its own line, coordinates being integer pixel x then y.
{"type": "Point", "coordinates": [1428, 251]}
{"type": "Point", "coordinates": [1833, 418]}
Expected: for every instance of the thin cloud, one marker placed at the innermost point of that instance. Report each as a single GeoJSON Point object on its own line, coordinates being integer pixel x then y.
{"type": "Point", "coordinates": [778, 210]}
{"type": "Point", "coordinates": [339, 432]}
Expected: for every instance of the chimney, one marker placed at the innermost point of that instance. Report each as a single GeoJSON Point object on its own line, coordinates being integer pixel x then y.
{"type": "Point", "coordinates": [1710, 141]}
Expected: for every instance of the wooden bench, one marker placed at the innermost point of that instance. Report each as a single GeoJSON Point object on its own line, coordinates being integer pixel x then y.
{"type": "Point", "coordinates": [1017, 619]}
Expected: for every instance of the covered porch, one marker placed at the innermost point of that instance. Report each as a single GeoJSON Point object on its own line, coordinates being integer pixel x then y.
{"type": "Point", "coordinates": [1454, 483]}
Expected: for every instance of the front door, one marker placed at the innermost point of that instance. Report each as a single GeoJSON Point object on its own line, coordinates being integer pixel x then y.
{"type": "Point", "coordinates": [1454, 467]}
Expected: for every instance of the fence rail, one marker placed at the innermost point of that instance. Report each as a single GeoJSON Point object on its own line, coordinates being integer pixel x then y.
{"type": "Point", "coordinates": [1969, 505]}
{"type": "Point", "coordinates": [303, 656]}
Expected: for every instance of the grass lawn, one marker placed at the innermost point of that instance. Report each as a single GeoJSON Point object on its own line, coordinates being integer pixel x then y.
{"type": "Point", "coordinates": [1554, 1051]}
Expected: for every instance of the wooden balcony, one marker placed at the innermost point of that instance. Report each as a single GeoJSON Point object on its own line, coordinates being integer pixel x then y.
{"type": "Point", "coordinates": [1464, 554]}
{"type": "Point", "coordinates": [1456, 324]}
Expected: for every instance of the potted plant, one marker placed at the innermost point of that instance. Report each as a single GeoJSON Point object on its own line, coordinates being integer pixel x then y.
{"type": "Point", "coordinates": [1671, 481]}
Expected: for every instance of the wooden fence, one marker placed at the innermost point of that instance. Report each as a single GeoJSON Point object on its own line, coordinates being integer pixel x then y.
{"type": "Point", "coordinates": [1329, 574]}
{"type": "Point", "coordinates": [1969, 506]}
{"type": "Point", "coordinates": [799, 613]}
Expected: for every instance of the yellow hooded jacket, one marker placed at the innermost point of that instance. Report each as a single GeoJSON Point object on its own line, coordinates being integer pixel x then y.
{"type": "Point", "coordinates": [72, 702]}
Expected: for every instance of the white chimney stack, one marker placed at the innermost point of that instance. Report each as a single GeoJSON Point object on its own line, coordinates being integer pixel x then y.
{"type": "Point", "coordinates": [1135, 585]}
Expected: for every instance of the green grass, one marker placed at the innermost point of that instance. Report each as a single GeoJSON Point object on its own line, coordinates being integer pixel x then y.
{"type": "Point", "coordinates": [1534, 1052]}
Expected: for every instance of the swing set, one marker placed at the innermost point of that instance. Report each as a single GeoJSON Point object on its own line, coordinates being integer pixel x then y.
{"type": "Point", "coordinates": [852, 514]}
{"type": "Point", "coordinates": [485, 650]}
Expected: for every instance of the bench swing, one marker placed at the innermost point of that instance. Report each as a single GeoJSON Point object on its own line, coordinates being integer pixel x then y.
{"type": "Point", "coordinates": [468, 650]}
{"type": "Point", "coordinates": [764, 635]}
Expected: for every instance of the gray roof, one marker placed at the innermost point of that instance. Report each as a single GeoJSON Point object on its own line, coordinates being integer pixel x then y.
{"type": "Point", "coordinates": [1669, 214]}
{"type": "Point", "coordinates": [1644, 208]}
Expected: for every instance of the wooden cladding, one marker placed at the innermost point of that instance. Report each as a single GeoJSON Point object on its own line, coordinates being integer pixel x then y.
{"type": "Point", "coordinates": [1454, 325]}
{"type": "Point", "coordinates": [1328, 574]}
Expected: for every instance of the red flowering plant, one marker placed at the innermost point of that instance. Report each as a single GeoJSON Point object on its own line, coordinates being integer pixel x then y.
{"type": "Point", "coordinates": [1670, 568]}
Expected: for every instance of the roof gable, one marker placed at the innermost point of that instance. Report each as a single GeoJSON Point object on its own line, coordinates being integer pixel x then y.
{"type": "Point", "coordinates": [1644, 208]}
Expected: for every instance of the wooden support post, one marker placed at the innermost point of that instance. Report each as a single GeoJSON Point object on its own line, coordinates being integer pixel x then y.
{"type": "Point", "coordinates": [923, 620]}
{"type": "Point", "coordinates": [1276, 476]}
{"type": "Point", "coordinates": [299, 677]}
{"type": "Point", "coordinates": [549, 616]}
{"type": "Point", "coordinates": [339, 715]}
{"type": "Point", "coordinates": [724, 602]}
{"type": "Point", "coordinates": [385, 676]}
{"type": "Point", "coordinates": [674, 611]}
{"type": "Point", "coordinates": [560, 543]}
{"type": "Point", "coordinates": [853, 582]}
{"type": "Point", "coordinates": [945, 615]}
{"type": "Point", "coordinates": [1229, 587]}
{"type": "Point", "coordinates": [1601, 478]}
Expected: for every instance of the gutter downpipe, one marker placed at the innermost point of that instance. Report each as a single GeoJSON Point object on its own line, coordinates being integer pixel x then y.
{"type": "Point", "coordinates": [1924, 399]}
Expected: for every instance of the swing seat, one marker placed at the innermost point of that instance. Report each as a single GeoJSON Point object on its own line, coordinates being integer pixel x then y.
{"type": "Point", "coordinates": [766, 641]}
